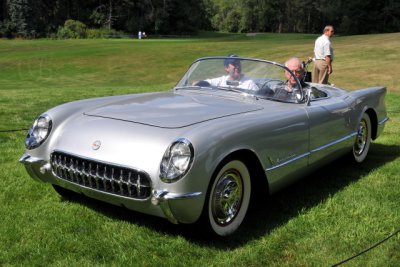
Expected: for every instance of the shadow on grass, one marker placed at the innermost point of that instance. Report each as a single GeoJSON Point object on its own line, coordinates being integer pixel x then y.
{"type": "Point", "coordinates": [275, 211]}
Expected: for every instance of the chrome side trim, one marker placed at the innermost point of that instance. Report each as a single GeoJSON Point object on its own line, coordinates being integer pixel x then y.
{"type": "Point", "coordinates": [312, 151]}
{"type": "Point", "coordinates": [289, 161]}
{"type": "Point", "coordinates": [163, 198]}
{"type": "Point", "coordinates": [334, 142]}
{"type": "Point", "coordinates": [383, 121]}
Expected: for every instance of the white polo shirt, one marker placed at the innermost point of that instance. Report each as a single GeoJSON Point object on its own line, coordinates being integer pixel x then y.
{"type": "Point", "coordinates": [323, 47]}
{"type": "Point", "coordinates": [244, 83]}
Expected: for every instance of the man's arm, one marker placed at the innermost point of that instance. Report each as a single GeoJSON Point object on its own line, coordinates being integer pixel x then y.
{"type": "Point", "coordinates": [328, 61]}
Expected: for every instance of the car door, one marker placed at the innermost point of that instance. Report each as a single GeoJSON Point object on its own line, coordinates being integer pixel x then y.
{"type": "Point", "coordinates": [330, 131]}
{"type": "Point", "coordinates": [286, 149]}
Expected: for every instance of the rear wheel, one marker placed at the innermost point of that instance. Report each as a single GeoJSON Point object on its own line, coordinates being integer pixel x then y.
{"type": "Point", "coordinates": [363, 139]}
{"type": "Point", "coordinates": [229, 198]}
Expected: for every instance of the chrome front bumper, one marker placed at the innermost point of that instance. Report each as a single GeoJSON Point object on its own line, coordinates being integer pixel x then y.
{"type": "Point", "coordinates": [163, 199]}
{"type": "Point", "coordinates": [41, 170]}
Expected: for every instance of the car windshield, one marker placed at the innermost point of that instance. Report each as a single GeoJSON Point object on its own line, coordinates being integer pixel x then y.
{"type": "Point", "coordinates": [261, 78]}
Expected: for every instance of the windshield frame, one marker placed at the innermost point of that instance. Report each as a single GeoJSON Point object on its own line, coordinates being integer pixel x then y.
{"type": "Point", "coordinates": [184, 82]}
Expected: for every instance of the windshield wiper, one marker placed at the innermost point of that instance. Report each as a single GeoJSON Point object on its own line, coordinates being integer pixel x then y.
{"type": "Point", "coordinates": [223, 88]}
{"type": "Point", "coordinates": [186, 87]}
{"type": "Point", "coordinates": [239, 90]}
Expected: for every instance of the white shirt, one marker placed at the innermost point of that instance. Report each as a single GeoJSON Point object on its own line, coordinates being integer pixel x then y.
{"type": "Point", "coordinates": [244, 83]}
{"type": "Point", "coordinates": [323, 47]}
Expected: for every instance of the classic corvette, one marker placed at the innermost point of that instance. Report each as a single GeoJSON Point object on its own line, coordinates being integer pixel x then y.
{"type": "Point", "coordinates": [199, 151]}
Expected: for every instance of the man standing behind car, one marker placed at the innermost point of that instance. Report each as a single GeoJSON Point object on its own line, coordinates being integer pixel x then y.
{"type": "Point", "coordinates": [323, 51]}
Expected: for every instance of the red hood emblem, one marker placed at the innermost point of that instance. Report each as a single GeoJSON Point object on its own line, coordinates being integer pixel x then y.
{"type": "Point", "coordinates": [96, 145]}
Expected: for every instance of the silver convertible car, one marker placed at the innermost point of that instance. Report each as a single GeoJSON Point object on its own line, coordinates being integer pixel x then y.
{"type": "Point", "coordinates": [202, 150]}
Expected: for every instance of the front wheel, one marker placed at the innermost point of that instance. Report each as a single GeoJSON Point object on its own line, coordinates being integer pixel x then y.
{"type": "Point", "coordinates": [363, 139]}
{"type": "Point", "coordinates": [229, 198]}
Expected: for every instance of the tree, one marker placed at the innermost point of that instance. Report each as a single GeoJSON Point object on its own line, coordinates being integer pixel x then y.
{"type": "Point", "coordinates": [37, 18]}
{"type": "Point", "coordinates": [21, 18]}
{"type": "Point", "coordinates": [389, 17]}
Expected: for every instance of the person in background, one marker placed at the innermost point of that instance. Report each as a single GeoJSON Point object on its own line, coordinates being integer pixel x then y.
{"type": "Point", "coordinates": [234, 76]}
{"type": "Point", "coordinates": [323, 51]}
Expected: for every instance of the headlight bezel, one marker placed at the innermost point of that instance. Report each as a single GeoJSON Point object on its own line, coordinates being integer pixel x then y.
{"type": "Point", "coordinates": [39, 131]}
{"type": "Point", "coordinates": [176, 161]}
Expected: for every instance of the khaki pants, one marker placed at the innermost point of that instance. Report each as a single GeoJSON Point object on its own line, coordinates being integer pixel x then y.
{"type": "Point", "coordinates": [320, 74]}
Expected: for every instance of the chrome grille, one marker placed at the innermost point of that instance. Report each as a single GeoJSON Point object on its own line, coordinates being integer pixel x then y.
{"type": "Point", "coordinates": [101, 176]}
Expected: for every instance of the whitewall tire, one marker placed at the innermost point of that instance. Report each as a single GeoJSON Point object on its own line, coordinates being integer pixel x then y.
{"type": "Point", "coordinates": [229, 198]}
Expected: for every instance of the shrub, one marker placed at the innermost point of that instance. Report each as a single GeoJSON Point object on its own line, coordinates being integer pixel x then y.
{"type": "Point", "coordinates": [72, 29]}
{"type": "Point", "coordinates": [104, 33]}
{"type": "Point", "coordinates": [98, 33]}
{"type": "Point", "coordinates": [7, 29]}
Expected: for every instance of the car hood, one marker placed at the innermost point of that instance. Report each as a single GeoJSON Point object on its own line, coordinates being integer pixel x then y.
{"type": "Point", "coordinates": [172, 110]}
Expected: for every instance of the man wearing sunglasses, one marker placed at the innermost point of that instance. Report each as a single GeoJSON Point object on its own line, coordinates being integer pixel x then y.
{"type": "Point", "coordinates": [290, 90]}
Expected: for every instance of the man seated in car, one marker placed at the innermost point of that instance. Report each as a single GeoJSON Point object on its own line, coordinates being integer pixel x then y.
{"type": "Point", "coordinates": [290, 91]}
{"type": "Point", "coordinates": [234, 76]}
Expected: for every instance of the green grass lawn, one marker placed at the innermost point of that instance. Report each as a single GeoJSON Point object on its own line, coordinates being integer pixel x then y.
{"type": "Point", "coordinates": [331, 215]}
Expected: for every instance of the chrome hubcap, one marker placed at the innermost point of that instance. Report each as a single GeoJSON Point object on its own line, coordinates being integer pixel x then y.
{"type": "Point", "coordinates": [361, 139]}
{"type": "Point", "coordinates": [227, 197]}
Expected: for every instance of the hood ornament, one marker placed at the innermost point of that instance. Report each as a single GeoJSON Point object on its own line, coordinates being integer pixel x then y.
{"type": "Point", "coordinates": [96, 145]}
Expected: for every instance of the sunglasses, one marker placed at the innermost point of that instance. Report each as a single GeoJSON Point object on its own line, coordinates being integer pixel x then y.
{"type": "Point", "coordinates": [298, 72]}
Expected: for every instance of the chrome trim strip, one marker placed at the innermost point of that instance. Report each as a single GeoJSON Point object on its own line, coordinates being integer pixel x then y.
{"type": "Point", "coordinates": [334, 142]}
{"type": "Point", "coordinates": [312, 151]}
{"type": "Point", "coordinates": [383, 121]}
{"type": "Point", "coordinates": [289, 161]}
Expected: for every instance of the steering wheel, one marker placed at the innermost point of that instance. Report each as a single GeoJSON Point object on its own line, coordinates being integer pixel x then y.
{"type": "Point", "coordinates": [202, 83]}
{"type": "Point", "coordinates": [268, 88]}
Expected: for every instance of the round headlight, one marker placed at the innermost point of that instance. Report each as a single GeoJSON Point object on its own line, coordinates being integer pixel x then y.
{"type": "Point", "coordinates": [39, 131]}
{"type": "Point", "coordinates": [176, 161]}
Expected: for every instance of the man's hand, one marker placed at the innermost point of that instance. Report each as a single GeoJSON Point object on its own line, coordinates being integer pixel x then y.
{"type": "Point", "coordinates": [330, 69]}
